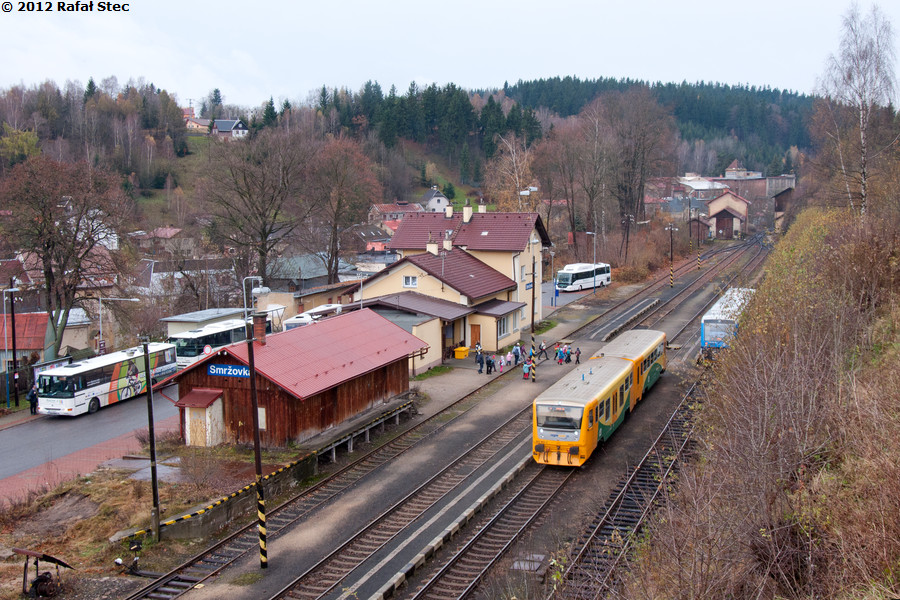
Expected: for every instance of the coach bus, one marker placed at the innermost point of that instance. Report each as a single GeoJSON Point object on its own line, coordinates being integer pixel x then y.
{"type": "Point", "coordinates": [88, 385]}
{"type": "Point", "coordinates": [582, 276]}
{"type": "Point", "coordinates": [191, 346]}
{"type": "Point", "coordinates": [720, 323]}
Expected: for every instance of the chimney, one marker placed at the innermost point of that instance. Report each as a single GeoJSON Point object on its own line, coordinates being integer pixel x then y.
{"type": "Point", "coordinates": [432, 247]}
{"type": "Point", "coordinates": [467, 214]}
{"type": "Point", "coordinates": [448, 244]}
{"type": "Point", "coordinates": [448, 212]}
{"type": "Point", "coordinates": [482, 208]}
{"type": "Point", "coordinates": [259, 328]}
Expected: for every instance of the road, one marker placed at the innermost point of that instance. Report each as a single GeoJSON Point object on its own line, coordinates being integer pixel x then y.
{"type": "Point", "coordinates": [47, 439]}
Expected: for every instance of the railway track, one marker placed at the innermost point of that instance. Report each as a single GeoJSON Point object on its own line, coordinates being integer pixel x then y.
{"type": "Point", "coordinates": [537, 486]}
{"type": "Point", "coordinates": [603, 547]}
{"type": "Point", "coordinates": [325, 576]}
{"type": "Point", "coordinates": [215, 558]}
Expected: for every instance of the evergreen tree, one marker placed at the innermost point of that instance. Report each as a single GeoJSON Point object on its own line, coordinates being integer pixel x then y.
{"type": "Point", "coordinates": [90, 90]}
{"type": "Point", "coordinates": [450, 191]}
{"type": "Point", "coordinates": [270, 117]}
{"type": "Point", "coordinates": [465, 164]}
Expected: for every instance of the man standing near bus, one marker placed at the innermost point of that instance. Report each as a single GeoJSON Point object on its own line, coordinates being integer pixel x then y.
{"type": "Point", "coordinates": [32, 398]}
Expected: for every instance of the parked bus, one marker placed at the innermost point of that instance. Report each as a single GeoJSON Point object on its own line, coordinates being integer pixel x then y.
{"type": "Point", "coordinates": [720, 323]}
{"type": "Point", "coordinates": [191, 346]}
{"type": "Point", "coordinates": [582, 276]}
{"type": "Point", "coordinates": [312, 315]}
{"type": "Point", "coordinates": [88, 385]}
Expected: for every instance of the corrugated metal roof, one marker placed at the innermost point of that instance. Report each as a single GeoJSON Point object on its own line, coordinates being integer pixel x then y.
{"type": "Point", "coordinates": [309, 360]}
{"type": "Point", "coordinates": [463, 272]}
{"type": "Point", "coordinates": [31, 329]}
{"type": "Point", "coordinates": [199, 398]}
{"type": "Point", "coordinates": [199, 316]}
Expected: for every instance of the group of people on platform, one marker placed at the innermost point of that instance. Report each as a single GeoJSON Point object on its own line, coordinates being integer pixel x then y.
{"type": "Point", "coordinates": [562, 353]}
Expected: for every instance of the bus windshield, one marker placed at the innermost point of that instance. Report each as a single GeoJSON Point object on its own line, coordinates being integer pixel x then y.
{"type": "Point", "coordinates": [187, 347]}
{"type": "Point", "coordinates": [558, 417]}
{"type": "Point", "coordinates": [563, 278]}
{"type": "Point", "coordinates": [56, 386]}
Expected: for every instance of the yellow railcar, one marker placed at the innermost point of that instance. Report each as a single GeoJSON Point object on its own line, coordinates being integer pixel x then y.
{"type": "Point", "coordinates": [573, 416]}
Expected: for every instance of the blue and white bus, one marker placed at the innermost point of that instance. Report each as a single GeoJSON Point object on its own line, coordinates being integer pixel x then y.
{"type": "Point", "coordinates": [720, 323]}
{"type": "Point", "coordinates": [583, 276]}
{"type": "Point", "coordinates": [192, 345]}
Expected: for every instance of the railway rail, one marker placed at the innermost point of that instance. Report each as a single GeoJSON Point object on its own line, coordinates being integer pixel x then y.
{"type": "Point", "coordinates": [323, 577]}
{"type": "Point", "coordinates": [593, 571]}
{"type": "Point", "coordinates": [218, 556]}
{"type": "Point", "coordinates": [460, 575]}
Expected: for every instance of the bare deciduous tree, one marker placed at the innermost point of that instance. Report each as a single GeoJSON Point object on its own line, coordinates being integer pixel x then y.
{"type": "Point", "coordinates": [255, 192]}
{"type": "Point", "coordinates": [860, 78]}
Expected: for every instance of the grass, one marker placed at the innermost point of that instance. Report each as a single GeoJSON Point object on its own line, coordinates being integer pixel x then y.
{"type": "Point", "coordinates": [433, 372]}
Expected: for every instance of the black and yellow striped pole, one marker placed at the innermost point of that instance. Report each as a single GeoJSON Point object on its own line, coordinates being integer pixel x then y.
{"type": "Point", "coordinates": [260, 497]}
{"type": "Point", "coordinates": [698, 244]}
{"type": "Point", "coordinates": [672, 229]}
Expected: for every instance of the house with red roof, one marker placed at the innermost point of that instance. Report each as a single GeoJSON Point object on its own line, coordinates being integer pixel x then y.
{"type": "Point", "coordinates": [482, 261]}
{"type": "Point", "coordinates": [30, 338]}
{"type": "Point", "coordinates": [308, 380]}
{"type": "Point", "coordinates": [379, 213]}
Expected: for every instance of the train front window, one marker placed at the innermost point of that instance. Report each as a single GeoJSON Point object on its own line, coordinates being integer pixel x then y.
{"type": "Point", "coordinates": [559, 417]}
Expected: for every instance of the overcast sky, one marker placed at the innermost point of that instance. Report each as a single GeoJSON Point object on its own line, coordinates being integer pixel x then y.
{"type": "Point", "coordinates": [254, 50]}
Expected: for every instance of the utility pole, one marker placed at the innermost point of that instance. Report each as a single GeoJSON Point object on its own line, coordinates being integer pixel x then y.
{"type": "Point", "coordinates": [148, 380]}
{"type": "Point", "coordinates": [260, 497]}
{"type": "Point", "coordinates": [12, 312]}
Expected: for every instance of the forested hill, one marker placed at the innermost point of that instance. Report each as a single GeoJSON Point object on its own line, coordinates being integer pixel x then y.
{"type": "Point", "coordinates": [758, 116]}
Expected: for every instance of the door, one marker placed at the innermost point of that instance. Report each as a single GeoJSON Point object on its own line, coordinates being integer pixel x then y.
{"type": "Point", "coordinates": [474, 335]}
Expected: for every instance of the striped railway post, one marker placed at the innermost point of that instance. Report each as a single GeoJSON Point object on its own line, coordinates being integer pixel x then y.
{"type": "Point", "coordinates": [533, 300]}
{"type": "Point", "coordinates": [260, 498]}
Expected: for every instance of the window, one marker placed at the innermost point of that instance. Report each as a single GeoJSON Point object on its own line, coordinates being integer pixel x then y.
{"type": "Point", "coordinates": [522, 270]}
{"type": "Point", "coordinates": [503, 326]}
{"type": "Point", "coordinates": [410, 281]}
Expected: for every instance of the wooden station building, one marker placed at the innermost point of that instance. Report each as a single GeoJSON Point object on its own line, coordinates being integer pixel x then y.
{"type": "Point", "coordinates": [308, 380]}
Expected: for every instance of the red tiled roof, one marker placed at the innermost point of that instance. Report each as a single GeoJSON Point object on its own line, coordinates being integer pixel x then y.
{"type": "Point", "coordinates": [309, 360]}
{"type": "Point", "coordinates": [418, 229]}
{"type": "Point", "coordinates": [31, 329]}
{"type": "Point", "coordinates": [463, 272]}
{"type": "Point", "coordinates": [200, 398]}
{"type": "Point", "coordinates": [484, 231]}
{"type": "Point", "coordinates": [497, 231]}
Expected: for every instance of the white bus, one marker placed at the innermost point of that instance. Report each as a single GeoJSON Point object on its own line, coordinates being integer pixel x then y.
{"type": "Point", "coordinates": [191, 346]}
{"type": "Point", "coordinates": [582, 276]}
{"type": "Point", "coordinates": [87, 385]}
{"type": "Point", "coordinates": [312, 315]}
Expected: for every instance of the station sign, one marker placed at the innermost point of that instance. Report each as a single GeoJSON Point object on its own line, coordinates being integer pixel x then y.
{"type": "Point", "coordinates": [228, 370]}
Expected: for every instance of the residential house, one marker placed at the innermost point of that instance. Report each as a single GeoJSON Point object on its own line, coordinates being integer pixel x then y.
{"type": "Point", "coordinates": [196, 125]}
{"type": "Point", "coordinates": [164, 241]}
{"type": "Point", "coordinates": [295, 302]}
{"type": "Point", "coordinates": [370, 238]}
{"type": "Point", "coordinates": [30, 342]}
{"type": "Point", "coordinates": [302, 271]}
{"type": "Point", "coordinates": [172, 277]}
{"type": "Point", "coordinates": [435, 201]}
{"type": "Point", "coordinates": [229, 128]}
{"type": "Point", "coordinates": [487, 261]}
{"type": "Point", "coordinates": [379, 213]}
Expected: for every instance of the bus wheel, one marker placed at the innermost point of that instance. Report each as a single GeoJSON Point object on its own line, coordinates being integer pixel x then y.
{"type": "Point", "coordinates": [94, 406]}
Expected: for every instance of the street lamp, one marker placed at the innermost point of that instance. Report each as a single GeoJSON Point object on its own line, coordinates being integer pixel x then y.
{"type": "Point", "coordinates": [671, 229]}
{"type": "Point", "coordinates": [553, 278]}
{"type": "Point", "coordinates": [594, 265]}
{"type": "Point", "coordinates": [101, 346]}
{"type": "Point", "coordinates": [12, 302]}
{"type": "Point", "coordinates": [254, 292]}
